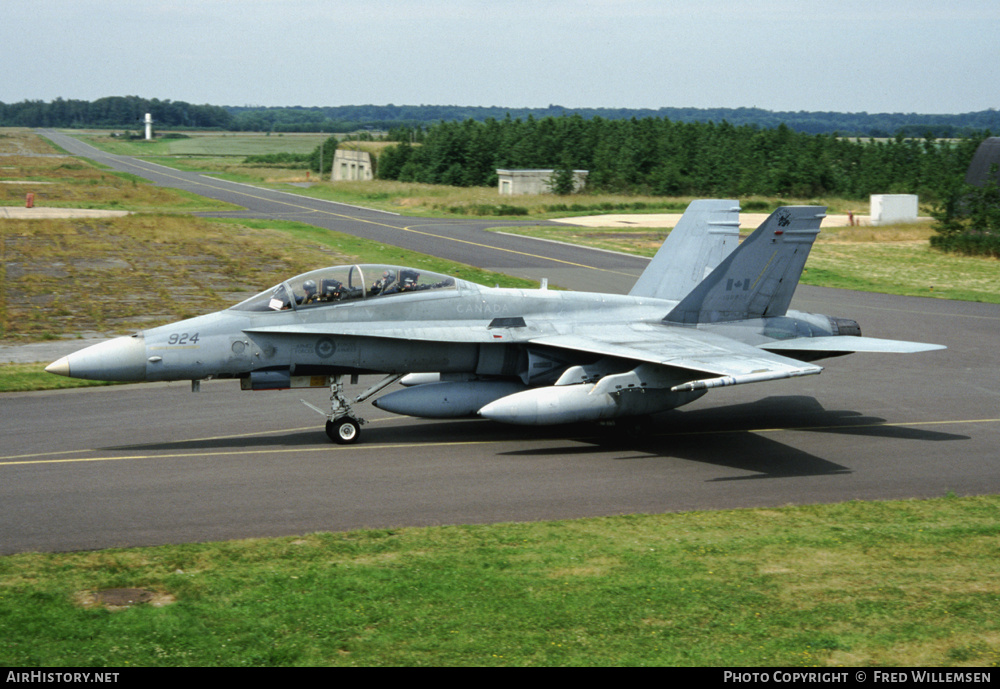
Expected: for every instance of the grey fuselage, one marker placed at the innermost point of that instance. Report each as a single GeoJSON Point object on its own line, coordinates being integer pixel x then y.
{"type": "Point", "coordinates": [466, 328]}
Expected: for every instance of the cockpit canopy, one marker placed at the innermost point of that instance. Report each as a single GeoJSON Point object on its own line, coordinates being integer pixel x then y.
{"type": "Point", "coordinates": [345, 283]}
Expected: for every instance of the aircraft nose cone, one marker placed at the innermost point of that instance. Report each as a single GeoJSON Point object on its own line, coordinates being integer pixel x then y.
{"type": "Point", "coordinates": [120, 359]}
{"type": "Point", "coordinates": [59, 367]}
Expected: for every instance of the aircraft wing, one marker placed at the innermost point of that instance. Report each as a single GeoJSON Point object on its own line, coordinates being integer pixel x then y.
{"type": "Point", "coordinates": [707, 359]}
{"type": "Point", "coordinates": [699, 353]}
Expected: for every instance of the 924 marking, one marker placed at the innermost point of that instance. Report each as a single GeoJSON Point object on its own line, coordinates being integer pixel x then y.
{"type": "Point", "coordinates": [183, 339]}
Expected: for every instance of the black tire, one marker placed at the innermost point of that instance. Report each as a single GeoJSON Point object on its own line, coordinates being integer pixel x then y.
{"type": "Point", "coordinates": [343, 431]}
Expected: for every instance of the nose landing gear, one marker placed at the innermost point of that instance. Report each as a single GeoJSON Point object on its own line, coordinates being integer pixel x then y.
{"type": "Point", "coordinates": [344, 430]}
{"type": "Point", "coordinates": [343, 426]}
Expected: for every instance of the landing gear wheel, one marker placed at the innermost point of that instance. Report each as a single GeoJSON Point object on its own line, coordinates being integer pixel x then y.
{"type": "Point", "coordinates": [343, 431]}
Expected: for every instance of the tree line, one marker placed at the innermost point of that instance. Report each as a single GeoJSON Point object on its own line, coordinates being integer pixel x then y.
{"type": "Point", "coordinates": [124, 111]}
{"type": "Point", "coordinates": [348, 118]}
{"type": "Point", "coordinates": [662, 157]}
{"type": "Point", "coordinates": [116, 111]}
{"type": "Point", "coordinates": [968, 217]}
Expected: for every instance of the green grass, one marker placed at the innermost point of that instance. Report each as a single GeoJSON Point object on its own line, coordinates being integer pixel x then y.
{"type": "Point", "coordinates": [108, 276]}
{"type": "Point", "coordinates": [912, 269]}
{"type": "Point", "coordinates": [212, 144]}
{"type": "Point", "coordinates": [883, 584]}
{"type": "Point", "coordinates": [66, 277]}
{"type": "Point", "coordinates": [81, 184]}
{"type": "Point", "coordinates": [28, 377]}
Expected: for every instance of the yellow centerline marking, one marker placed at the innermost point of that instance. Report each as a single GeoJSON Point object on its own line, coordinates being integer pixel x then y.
{"type": "Point", "coordinates": [19, 460]}
{"type": "Point", "coordinates": [227, 453]}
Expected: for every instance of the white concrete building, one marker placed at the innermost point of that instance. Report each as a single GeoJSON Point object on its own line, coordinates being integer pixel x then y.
{"type": "Point", "coordinates": [351, 165]}
{"type": "Point", "coordinates": [513, 182]}
{"type": "Point", "coordinates": [893, 208]}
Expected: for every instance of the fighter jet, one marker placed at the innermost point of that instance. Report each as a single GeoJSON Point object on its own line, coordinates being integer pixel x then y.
{"type": "Point", "coordinates": [705, 313]}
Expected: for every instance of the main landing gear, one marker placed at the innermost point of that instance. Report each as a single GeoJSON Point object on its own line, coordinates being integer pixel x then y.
{"type": "Point", "coordinates": [343, 426]}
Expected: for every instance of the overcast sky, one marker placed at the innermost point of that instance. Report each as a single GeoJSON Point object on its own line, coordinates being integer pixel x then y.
{"type": "Point", "coordinates": [925, 56]}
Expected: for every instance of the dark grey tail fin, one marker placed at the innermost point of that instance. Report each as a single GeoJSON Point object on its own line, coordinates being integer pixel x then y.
{"type": "Point", "coordinates": [708, 231]}
{"type": "Point", "coordinates": [759, 278]}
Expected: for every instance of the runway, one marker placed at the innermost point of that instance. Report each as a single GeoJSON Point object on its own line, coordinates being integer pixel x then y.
{"type": "Point", "coordinates": [155, 463]}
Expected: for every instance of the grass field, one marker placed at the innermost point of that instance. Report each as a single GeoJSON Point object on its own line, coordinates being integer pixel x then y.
{"type": "Point", "coordinates": [907, 583]}
{"type": "Point", "coordinates": [114, 275]}
{"type": "Point", "coordinates": [209, 144]}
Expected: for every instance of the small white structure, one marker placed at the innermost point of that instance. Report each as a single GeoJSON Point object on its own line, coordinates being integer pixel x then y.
{"type": "Point", "coordinates": [149, 126]}
{"type": "Point", "coordinates": [351, 165]}
{"type": "Point", "coordinates": [893, 208]}
{"type": "Point", "coordinates": [513, 182]}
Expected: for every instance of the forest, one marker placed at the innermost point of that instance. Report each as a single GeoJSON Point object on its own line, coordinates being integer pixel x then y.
{"type": "Point", "coordinates": [126, 111]}
{"type": "Point", "coordinates": [661, 157]}
{"type": "Point", "coordinates": [354, 117]}
{"type": "Point", "coordinates": [666, 158]}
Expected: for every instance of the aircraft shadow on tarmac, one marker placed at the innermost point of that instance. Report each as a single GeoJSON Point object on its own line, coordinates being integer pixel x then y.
{"type": "Point", "coordinates": [734, 436]}
{"type": "Point", "coordinates": [250, 442]}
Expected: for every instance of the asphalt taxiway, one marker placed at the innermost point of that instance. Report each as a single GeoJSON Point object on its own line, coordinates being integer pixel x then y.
{"type": "Point", "coordinates": [156, 463]}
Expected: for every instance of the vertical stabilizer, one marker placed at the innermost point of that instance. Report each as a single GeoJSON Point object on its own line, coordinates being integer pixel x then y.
{"type": "Point", "coordinates": [708, 231]}
{"type": "Point", "coordinates": [759, 278]}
